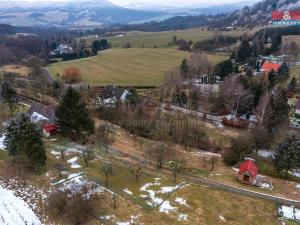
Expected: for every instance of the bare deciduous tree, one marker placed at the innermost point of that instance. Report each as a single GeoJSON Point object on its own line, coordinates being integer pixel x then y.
{"type": "Point", "coordinates": [136, 171]}
{"type": "Point", "coordinates": [263, 111]}
{"type": "Point", "coordinates": [199, 64]}
{"type": "Point", "coordinates": [107, 170]}
{"type": "Point", "coordinates": [235, 96]}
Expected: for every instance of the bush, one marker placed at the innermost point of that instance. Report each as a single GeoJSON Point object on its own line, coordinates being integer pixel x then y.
{"type": "Point", "coordinates": [71, 75]}
{"type": "Point", "coordinates": [74, 207]}
{"type": "Point", "coordinates": [230, 158]}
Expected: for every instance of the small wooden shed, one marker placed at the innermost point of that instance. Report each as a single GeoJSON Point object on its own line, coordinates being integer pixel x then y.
{"type": "Point", "coordinates": [248, 172]}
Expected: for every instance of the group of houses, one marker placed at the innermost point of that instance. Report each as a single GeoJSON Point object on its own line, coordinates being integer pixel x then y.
{"type": "Point", "coordinates": [61, 50]}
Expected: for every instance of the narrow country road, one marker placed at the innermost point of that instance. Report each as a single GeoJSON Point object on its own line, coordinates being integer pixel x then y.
{"type": "Point", "coordinates": [207, 182]}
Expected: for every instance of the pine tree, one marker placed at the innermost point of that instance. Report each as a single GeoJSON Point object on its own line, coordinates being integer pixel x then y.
{"type": "Point", "coordinates": [272, 77]}
{"type": "Point", "coordinates": [244, 51]}
{"type": "Point", "coordinates": [287, 155]}
{"type": "Point", "coordinates": [184, 68]}
{"type": "Point", "coordinates": [25, 138]}
{"type": "Point", "coordinates": [284, 70]}
{"type": "Point", "coordinates": [8, 95]}
{"type": "Point", "coordinates": [72, 116]}
{"type": "Point", "coordinates": [292, 84]}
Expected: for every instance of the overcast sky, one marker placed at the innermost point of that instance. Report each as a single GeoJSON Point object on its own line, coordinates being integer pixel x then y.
{"type": "Point", "coordinates": [174, 3]}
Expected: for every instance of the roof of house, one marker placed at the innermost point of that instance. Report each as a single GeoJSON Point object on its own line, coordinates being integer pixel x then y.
{"type": "Point", "coordinates": [41, 112]}
{"type": "Point", "coordinates": [269, 66]}
{"type": "Point", "coordinates": [50, 127]}
{"type": "Point", "coordinates": [111, 91]}
{"type": "Point", "coordinates": [250, 167]}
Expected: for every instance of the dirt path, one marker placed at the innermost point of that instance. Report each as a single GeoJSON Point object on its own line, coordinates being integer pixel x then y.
{"type": "Point", "coordinates": [204, 181]}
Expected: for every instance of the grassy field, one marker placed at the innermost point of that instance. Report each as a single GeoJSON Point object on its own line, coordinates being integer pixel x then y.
{"type": "Point", "coordinates": [190, 204]}
{"type": "Point", "coordinates": [160, 39]}
{"type": "Point", "coordinates": [127, 67]}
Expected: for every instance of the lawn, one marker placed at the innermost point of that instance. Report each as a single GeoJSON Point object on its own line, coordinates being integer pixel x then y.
{"type": "Point", "coordinates": [161, 39]}
{"type": "Point", "coordinates": [127, 67]}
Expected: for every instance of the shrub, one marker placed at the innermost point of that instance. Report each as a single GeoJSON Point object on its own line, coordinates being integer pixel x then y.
{"type": "Point", "coordinates": [76, 205]}
{"type": "Point", "coordinates": [71, 75]}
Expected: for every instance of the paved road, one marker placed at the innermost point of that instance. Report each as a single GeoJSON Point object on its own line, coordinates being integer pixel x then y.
{"type": "Point", "coordinates": [207, 182]}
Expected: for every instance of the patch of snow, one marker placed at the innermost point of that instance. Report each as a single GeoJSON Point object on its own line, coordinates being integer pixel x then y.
{"type": "Point", "coordinates": [222, 218]}
{"type": "Point", "coordinates": [55, 153]}
{"type": "Point", "coordinates": [14, 211]}
{"type": "Point", "coordinates": [2, 145]}
{"type": "Point", "coordinates": [265, 153]}
{"type": "Point", "coordinates": [266, 186]}
{"type": "Point", "coordinates": [182, 217]}
{"type": "Point", "coordinates": [123, 223]}
{"type": "Point", "coordinates": [127, 191]}
{"type": "Point", "coordinates": [290, 212]}
{"type": "Point", "coordinates": [73, 162]}
{"type": "Point", "coordinates": [169, 189]}
{"type": "Point", "coordinates": [181, 201]}
{"type": "Point", "coordinates": [295, 173]}
{"type": "Point", "coordinates": [298, 186]}
{"type": "Point", "coordinates": [165, 207]}
{"type": "Point", "coordinates": [205, 153]}
{"type": "Point", "coordinates": [247, 158]}
{"type": "Point", "coordinates": [235, 169]}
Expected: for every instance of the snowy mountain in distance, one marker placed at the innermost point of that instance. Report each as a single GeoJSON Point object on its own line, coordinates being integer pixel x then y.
{"type": "Point", "coordinates": [83, 13]}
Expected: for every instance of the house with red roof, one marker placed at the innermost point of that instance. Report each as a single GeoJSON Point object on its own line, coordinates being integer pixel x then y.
{"type": "Point", "coordinates": [248, 172]}
{"type": "Point", "coordinates": [267, 67]}
{"type": "Point", "coordinates": [50, 129]}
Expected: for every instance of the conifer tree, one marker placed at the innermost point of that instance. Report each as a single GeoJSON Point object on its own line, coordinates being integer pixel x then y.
{"type": "Point", "coordinates": [8, 95]}
{"type": "Point", "coordinates": [272, 79]}
{"type": "Point", "coordinates": [287, 155]}
{"type": "Point", "coordinates": [284, 70]}
{"type": "Point", "coordinates": [25, 138]}
{"type": "Point", "coordinates": [244, 51]}
{"type": "Point", "coordinates": [72, 116]}
{"type": "Point", "coordinates": [184, 68]}
{"type": "Point", "coordinates": [292, 84]}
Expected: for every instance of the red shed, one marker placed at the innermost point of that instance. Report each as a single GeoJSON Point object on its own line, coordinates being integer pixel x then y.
{"type": "Point", "coordinates": [50, 129]}
{"type": "Point", "coordinates": [248, 172]}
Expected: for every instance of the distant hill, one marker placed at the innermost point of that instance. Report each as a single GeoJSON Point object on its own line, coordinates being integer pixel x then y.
{"type": "Point", "coordinates": [81, 13]}
{"type": "Point", "coordinates": [248, 16]}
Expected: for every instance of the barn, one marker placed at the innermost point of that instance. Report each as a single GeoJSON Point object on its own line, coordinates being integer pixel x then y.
{"type": "Point", "coordinates": [248, 172]}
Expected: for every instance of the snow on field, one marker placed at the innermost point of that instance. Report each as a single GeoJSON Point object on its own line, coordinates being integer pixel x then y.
{"type": "Point", "coordinates": [30, 194]}
{"type": "Point", "coordinates": [151, 194]}
{"type": "Point", "coordinates": [169, 189]}
{"type": "Point", "coordinates": [222, 218]}
{"type": "Point", "coordinates": [73, 162]}
{"type": "Point", "coordinates": [290, 212]}
{"type": "Point", "coordinates": [165, 207]}
{"type": "Point", "coordinates": [126, 190]}
{"type": "Point", "coordinates": [265, 153]}
{"type": "Point", "coordinates": [181, 201]}
{"type": "Point", "coordinates": [182, 217]}
{"type": "Point", "coordinates": [296, 173]}
{"type": "Point", "coordinates": [15, 211]}
{"type": "Point", "coordinates": [298, 186]}
{"type": "Point", "coordinates": [55, 152]}
{"type": "Point", "coordinates": [2, 137]}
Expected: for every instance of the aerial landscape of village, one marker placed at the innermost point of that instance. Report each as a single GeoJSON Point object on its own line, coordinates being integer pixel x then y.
{"type": "Point", "coordinates": [161, 112]}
